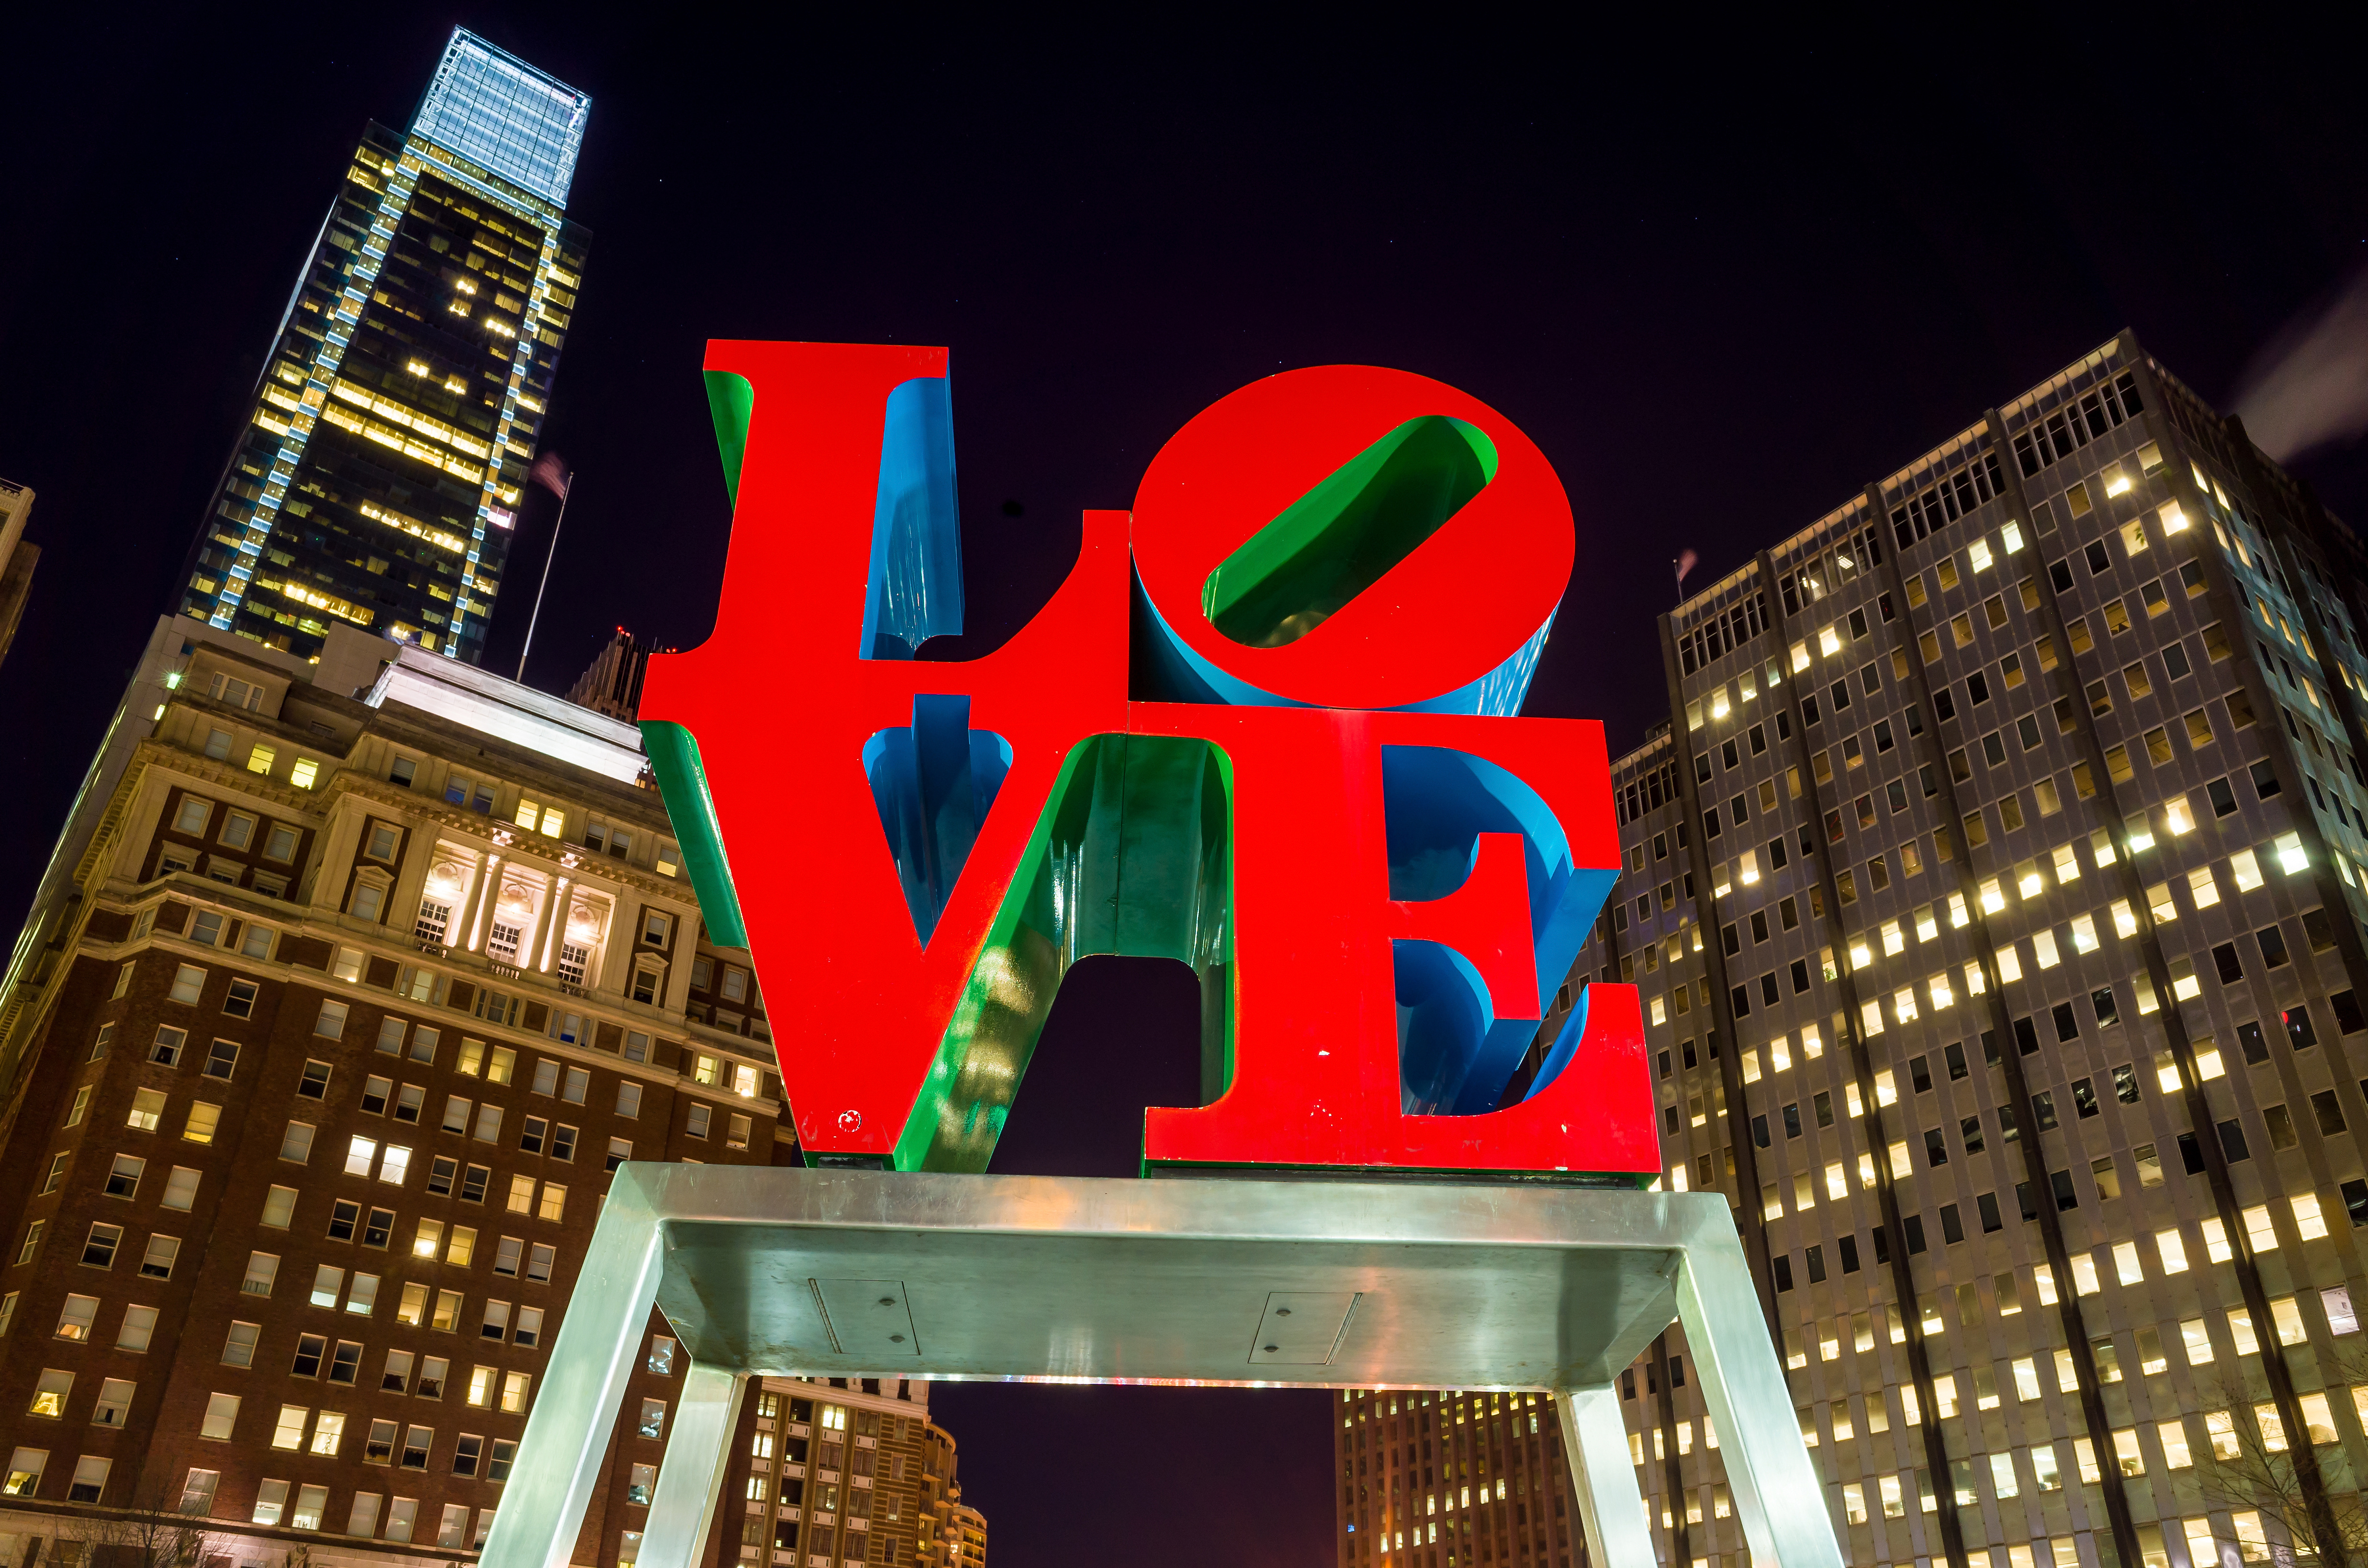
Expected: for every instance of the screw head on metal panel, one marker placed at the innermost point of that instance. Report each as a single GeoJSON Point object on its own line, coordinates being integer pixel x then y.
{"type": "Point", "coordinates": [1269, 1349]}
{"type": "Point", "coordinates": [896, 1339]}
{"type": "Point", "coordinates": [887, 1300]}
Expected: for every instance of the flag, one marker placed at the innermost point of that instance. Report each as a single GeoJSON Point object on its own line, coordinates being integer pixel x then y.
{"type": "Point", "coordinates": [550, 472]}
{"type": "Point", "coordinates": [1684, 563]}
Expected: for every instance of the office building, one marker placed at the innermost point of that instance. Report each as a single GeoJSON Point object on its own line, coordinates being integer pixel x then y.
{"type": "Point", "coordinates": [1995, 897]}
{"type": "Point", "coordinates": [1454, 1476]}
{"type": "Point", "coordinates": [377, 481]}
{"type": "Point", "coordinates": [853, 1470]}
{"type": "Point", "coordinates": [361, 974]}
{"type": "Point", "coordinates": [18, 556]}
{"type": "Point", "coordinates": [612, 684]}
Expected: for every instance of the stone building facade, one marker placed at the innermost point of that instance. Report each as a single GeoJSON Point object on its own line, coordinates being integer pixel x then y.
{"type": "Point", "coordinates": [357, 977]}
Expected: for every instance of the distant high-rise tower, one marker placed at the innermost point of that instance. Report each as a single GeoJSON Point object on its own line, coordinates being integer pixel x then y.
{"type": "Point", "coordinates": [378, 478]}
{"type": "Point", "coordinates": [613, 683]}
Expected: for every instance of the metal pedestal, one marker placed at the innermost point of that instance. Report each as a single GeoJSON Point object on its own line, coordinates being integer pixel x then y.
{"type": "Point", "coordinates": [1322, 1283]}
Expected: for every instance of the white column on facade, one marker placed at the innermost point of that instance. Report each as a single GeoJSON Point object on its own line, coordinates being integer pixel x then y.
{"type": "Point", "coordinates": [555, 921]}
{"type": "Point", "coordinates": [532, 948]}
{"type": "Point", "coordinates": [480, 897]}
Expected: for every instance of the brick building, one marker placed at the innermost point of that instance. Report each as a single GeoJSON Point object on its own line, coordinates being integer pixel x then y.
{"type": "Point", "coordinates": [355, 979]}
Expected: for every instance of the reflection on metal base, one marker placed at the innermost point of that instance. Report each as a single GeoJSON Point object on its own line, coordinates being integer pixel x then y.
{"type": "Point", "coordinates": [843, 1273]}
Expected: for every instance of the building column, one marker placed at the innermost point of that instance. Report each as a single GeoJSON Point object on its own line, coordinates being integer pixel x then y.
{"type": "Point", "coordinates": [1849, 1035]}
{"type": "Point", "coordinates": [472, 925]}
{"type": "Point", "coordinates": [555, 921]}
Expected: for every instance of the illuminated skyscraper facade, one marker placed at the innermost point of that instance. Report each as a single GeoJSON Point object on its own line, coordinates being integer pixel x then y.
{"type": "Point", "coordinates": [378, 477]}
{"type": "Point", "coordinates": [1995, 895]}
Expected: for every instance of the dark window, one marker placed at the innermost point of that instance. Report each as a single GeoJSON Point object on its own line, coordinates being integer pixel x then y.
{"type": "Point", "coordinates": [1969, 1130]}
{"type": "Point", "coordinates": [1944, 703]}
{"type": "Point", "coordinates": [1815, 1257]}
{"type": "Point", "coordinates": [1936, 1147]}
{"type": "Point", "coordinates": [1759, 925]}
{"type": "Point", "coordinates": [378, 1229]}
{"type": "Point", "coordinates": [2256, 1049]}
{"type": "Point", "coordinates": [1665, 1065]}
{"type": "Point", "coordinates": [1881, 1244]}
{"type": "Point", "coordinates": [2043, 1110]}
{"type": "Point", "coordinates": [2068, 1027]}
{"type": "Point", "coordinates": [1792, 1119]}
{"type": "Point", "coordinates": [2126, 1084]}
{"type": "Point", "coordinates": [1783, 1266]}
{"type": "Point", "coordinates": [1628, 1383]}
{"type": "Point", "coordinates": [311, 1349]}
{"type": "Point", "coordinates": [1760, 1131]}
{"type": "Point", "coordinates": [2224, 798]}
{"type": "Point", "coordinates": [2348, 1019]}
{"type": "Point", "coordinates": [1987, 1203]}
{"type": "Point", "coordinates": [2022, 1197]}
{"type": "Point", "coordinates": [2026, 1038]}
{"type": "Point", "coordinates": [2232, 1142]}
{"type": "Point", "coordinates": [1953, 1229]}
{"type": "Point", "coordinates": [1800, 977]}
{"type": "Point", "coordinates": [2065, 1197]}
{"type": "Point", "coordinates": [1686, 1046]}
{"type": "Point", "coordinates": [1768, 994]}
{"type": "Point", "coordinates": [2329, 1111]}
{"type": "Point", "coordinates": [472, 1184]}
{"type": "Point", "coordinates": [2098, 560]}
{"type": "Point", "coordinates": [1955, 1055]}
{"type": "Point", "coordinates": [2298, 1027]}
{"type": "Point", "coordinates": [1849, 1248]}
{"type": "Point", "coordinates": [2318, 930]}
{"type": "Point", "coordinates": [441, 1174]}
{"type": "Point", "coordinates": [344, 1217]}
{"type": "Point", "coordinates": [2100, 1001]}
{"type": "Point", "coordinates": [2265, 780]}
{"type": "Point", "coordinates": [1919, 1074]}
{"type": "Point", "coordinates": [1670, 1120]}
{"type": "Point", "coordinates": [1977, 687]}
{"type": "Point", "coordinates": [2355, 1201]}
{"type": "Point", "coordinates": [2224, 957]}
{"type": "Point", "coordinates": [1759, 739]}
{"type": "Point", "coordinates": [1740, 998]}
{"type": "Point", "coordinates": [1914, 1225]}
{"type": "Point", "coordinates": [1824, 1104]}
{"type": "Point", "coordinates": [2191, 1153]}
{"type": "Point", "coordinates": [2273, 941]}
{"type": "Point", "coordinates": [2084, 1098]}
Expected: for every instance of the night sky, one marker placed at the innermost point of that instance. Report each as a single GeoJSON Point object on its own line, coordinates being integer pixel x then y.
{"type": "Point", "coordinates": [1723, 274]}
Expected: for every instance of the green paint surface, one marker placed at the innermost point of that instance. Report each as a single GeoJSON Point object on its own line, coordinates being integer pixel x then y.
{"type": "Point", "coordinates": [682, 780]}
{"type": "Point", "coordinates": [1339, 539]}
{"type": "Point", "coordinates": [1131, 856]}
{"type": "Point", "coordinates": [730, 400]}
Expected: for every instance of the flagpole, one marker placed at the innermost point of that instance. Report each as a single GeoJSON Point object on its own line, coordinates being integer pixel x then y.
{"type": "Point", "coordinates": [548, 558]}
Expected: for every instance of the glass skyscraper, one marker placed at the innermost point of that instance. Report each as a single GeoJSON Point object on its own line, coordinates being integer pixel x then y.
{"type": "Point", "coordinates": [378, 478]}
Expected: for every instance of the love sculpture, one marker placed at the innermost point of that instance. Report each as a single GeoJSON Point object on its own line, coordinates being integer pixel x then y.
{"type": "Point", "coordinates": [1268, 726]}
